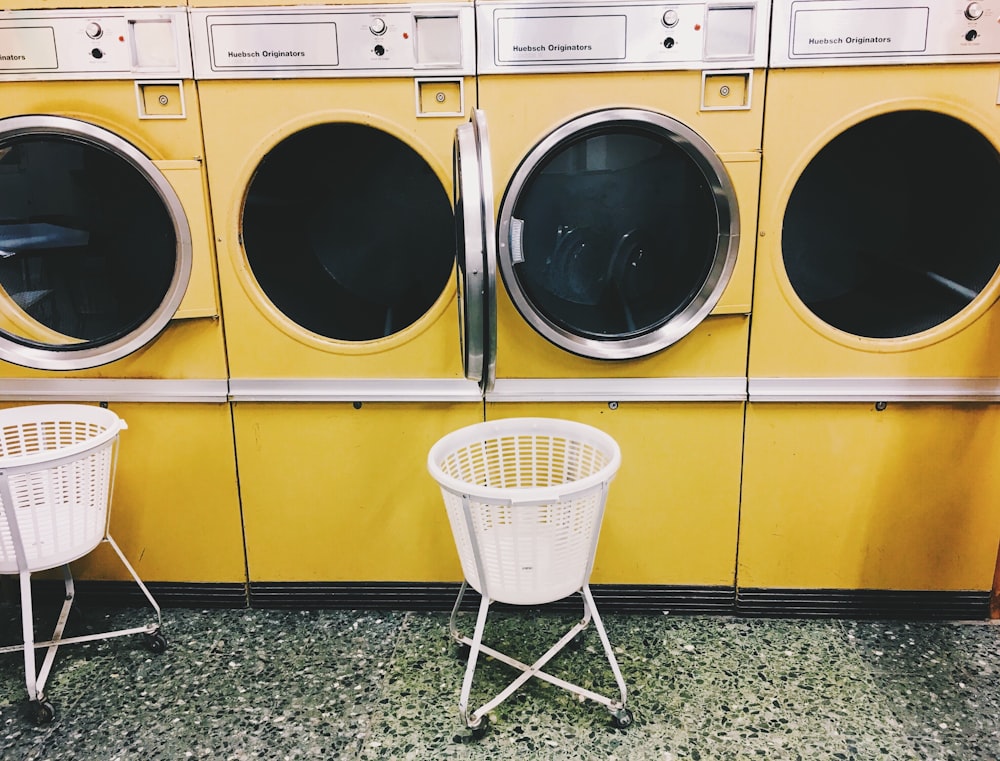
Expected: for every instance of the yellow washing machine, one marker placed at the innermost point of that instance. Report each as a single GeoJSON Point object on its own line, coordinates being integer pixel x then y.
{"type": "Point", "coordinates": [624, 148]}
{"type": "Point", "coordinates": [328, 136]}
{"type": "Point", "coordinates": [872, 465]}
{"type": "Point", "coordinates": [108, 278]}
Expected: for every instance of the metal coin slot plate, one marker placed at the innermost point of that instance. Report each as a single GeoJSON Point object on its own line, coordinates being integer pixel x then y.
{"type": "Point", "coordinates": [440, 97]}
{"type": "Point", "coordinates": [160, 100]}
{"type": "Point", "coordinates": [726, 91]}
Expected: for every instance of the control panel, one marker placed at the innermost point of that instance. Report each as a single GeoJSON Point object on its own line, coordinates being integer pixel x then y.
{"type": "Point", "coordinates": [101, 44]}
{"type": "Point", "coordinates": [592, 35]}
{"type": "Point", "coordinates": [861, 32]}
{"type": "Point", "coordinates": [347, 41]}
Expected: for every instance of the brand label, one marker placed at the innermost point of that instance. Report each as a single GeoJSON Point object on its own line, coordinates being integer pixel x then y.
{"type": "Point", "coordinates": [29, 48]}
{"type": "Point", "coordinates": [859, 32]}
{"type": "Point", "coordinates": [266, 43]}
{"type": "Point", "coordinates": [568, 38]}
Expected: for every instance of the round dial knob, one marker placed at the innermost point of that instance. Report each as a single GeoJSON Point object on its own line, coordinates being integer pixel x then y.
{"type": "Point", "coordinates": [973, 11]}
{"type": "Point", "coordinates": [378, 26]}
{"type": "Point", "coordinates": [670, 18]}
{"type": "Point", "coordinates": [94, 30]}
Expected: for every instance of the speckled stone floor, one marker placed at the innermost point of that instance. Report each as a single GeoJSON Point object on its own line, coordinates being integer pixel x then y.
{"type": "Point", "coordinates": [267, 684]}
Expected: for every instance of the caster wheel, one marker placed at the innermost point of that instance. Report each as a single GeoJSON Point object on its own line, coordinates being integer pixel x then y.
{"type": "Point", "coordinates": [42, 713]}
{"type": "Point", "coordinates": [475, 733]}
{"type": "Point", "coordinates": [622, 718]}
{"type": "Point", "coordinates": [156, 642]}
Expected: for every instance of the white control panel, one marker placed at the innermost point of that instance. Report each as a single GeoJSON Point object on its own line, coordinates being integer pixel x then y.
{"type": "Point", "coordinates": [101, 44]}
{"type": "Point", "coordinates": [428, 39]}
{"type": "Point", "coordinates": [589, 35]}
{"type": "Point", "coordinates": [863, 32]}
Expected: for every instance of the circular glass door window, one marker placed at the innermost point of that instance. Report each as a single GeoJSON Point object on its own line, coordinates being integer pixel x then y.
{"type": "Point", "coordinates": [891, 229]}
{"type": "Point", "coordinates": [349, 232]}
{"type": "Point", "coordinates": [92, 265]}
{"type": "Point", "coordinates": [618, 234]}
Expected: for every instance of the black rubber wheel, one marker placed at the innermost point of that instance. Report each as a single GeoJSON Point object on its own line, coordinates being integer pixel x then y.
{"type": "Point", "coordinates": [622, 718]}
{"type": "Point", "coordinates": [475, 733]}
{"type": "Point", "coordinates": [42, 712]}
{"type": "Point", "coordinates": [156, 642]}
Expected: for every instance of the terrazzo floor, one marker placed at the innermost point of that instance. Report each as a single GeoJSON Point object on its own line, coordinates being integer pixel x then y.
{"type": "Point", "coordinates": [270, 684]}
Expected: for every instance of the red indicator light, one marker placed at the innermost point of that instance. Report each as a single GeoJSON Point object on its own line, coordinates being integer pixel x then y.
{"type": "Point", "coordinates": [121, 38]}
{"type": "Point", "coordinates": [697, 27]}
{"type": "Point", "coordinates": [406, 35]}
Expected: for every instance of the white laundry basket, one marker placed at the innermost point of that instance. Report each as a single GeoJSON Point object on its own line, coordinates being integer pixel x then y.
{"type": "Point", "coordinates": [55, 480]}
{"type": "Point", "coordinates": [525, 499]}
{"type": "Point", "coordinates": [57, 464]}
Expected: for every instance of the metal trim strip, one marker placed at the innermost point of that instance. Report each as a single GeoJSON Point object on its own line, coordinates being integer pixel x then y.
{"type": "Point", "coordinates": [874, 390]}
{"type": "Point", "coordinates": [618, 390]}
{"type": "Point", "coordinates": [354, 390]}
{"type": "Point", "coordinates": [113, 390]}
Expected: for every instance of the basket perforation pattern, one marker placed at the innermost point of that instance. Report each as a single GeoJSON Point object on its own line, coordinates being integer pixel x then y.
{"type": "Point", "coordinates": [533, 523]}
{"type": "Point", "coordinates": [61, 505]}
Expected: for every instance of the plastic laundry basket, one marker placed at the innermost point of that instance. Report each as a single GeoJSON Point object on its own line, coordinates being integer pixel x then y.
{"type": "Point", "coordinates": [525, 498]}
{"type": "Point", "coordinates": [56, 463]}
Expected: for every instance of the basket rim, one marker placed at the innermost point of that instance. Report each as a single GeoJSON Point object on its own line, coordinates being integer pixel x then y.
{"type": "Point", "coordinates": [524, 426]}
{"type": "Point", "coordinates": [46, 413]}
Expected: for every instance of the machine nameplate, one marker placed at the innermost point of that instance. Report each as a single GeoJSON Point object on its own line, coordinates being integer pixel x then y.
{"type": "Point", "coordinates": [274, 42]}
{"type": "Point", "coordinates": [574, 38]}
{"type": "Point", "coordinates": [856, 32]}
{"type": "Point", "coordinates": [28, 48]}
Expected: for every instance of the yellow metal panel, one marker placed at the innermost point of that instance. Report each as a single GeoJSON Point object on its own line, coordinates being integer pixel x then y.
{"type": "Point", "coordinates": [716, 348]}
{"type": "Point", "coordinates": [673, 508]}
{"type": "Point", "coordinates": [261, 341]}
{"type": "Point", "coordinates": [805, 110]}
{"type": "Point", "coordinates": [842, 496]}
{"type": "Point", "coordinates": [334, 493]}
{"type": "Point", "coordinates": [175, 511]}
{"type": "Point", "coordinates": [188, 180]}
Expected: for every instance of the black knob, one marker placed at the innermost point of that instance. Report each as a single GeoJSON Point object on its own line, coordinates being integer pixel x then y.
{"type": "Point", "coordinates": [669, 42]}
{"type": "Point", "coordinates": [971, 35]}
{"type": "Point", "coordinates": [97, 53]}
{"type": "Point", "coordinates": [379, 50]}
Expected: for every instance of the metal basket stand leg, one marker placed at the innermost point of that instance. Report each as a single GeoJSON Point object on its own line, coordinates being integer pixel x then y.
{"type": "Point", "coordinates": [478, 721]}
{"type": "Point", "coordinates": [41, 710]}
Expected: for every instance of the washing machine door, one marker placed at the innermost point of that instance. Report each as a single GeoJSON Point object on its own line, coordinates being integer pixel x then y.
{"type": "Point", "coordinates": [889, 232]}
{"type": "Point", "coordinates": [95, 249]}
{"type": "Point", "coordinates": [476, 248]}
{"type": "Point", "coordinates": [618, 234]}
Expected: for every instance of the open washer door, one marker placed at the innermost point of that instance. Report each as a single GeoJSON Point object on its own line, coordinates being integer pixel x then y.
{"type": "Point", "coordinates": [95, 248]}
{"type": "Point", "coordinates": [476, 248]}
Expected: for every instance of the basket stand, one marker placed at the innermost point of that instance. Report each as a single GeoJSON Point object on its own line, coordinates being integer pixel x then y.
{"type": "Point", "coordinates": [42, 712]}
{"type": "Point", "coordinates": [36, 481]}
{"type": "Point", "coordinates": [478, 720]}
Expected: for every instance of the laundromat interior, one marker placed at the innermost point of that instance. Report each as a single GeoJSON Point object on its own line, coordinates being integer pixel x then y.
{"type": "Point", "coordinates": [294, 244]}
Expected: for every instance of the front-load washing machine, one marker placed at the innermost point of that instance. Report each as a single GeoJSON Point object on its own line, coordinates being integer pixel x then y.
{"type": "Point", "coordinates": [107, 272]}
{"type": "Point", "coordinates": [328, 136]}
{"type": "Point", "coordinates": [873, 433]}
{"type": "Point", "coordinates": [623, 141]}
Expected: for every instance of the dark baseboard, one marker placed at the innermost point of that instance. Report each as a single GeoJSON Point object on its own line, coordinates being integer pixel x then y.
{"type": "Point", "coordinates": [127, 594]}
{"type": "Point", "coordinates": [441, 596]}
{"type": "Point", "coordinates": [863, 603]}
{"type": "Point", "coordinates": [610, 598]}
